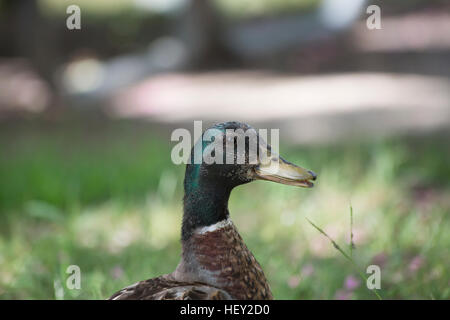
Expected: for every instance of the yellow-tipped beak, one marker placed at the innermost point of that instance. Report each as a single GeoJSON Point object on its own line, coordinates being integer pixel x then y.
{"type": "Point", "coordinates": [281, 171]}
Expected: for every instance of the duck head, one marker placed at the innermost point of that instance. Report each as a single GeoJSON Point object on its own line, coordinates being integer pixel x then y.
{"type": "Point", "coordinates": [230, 154]}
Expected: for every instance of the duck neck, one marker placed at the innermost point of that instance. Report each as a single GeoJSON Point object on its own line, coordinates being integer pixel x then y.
{"type": "Point", "coordinates": [205, 203]}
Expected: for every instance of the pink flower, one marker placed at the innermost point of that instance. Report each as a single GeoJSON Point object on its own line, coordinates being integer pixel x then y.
{"type": "Point", "coordinates": [117, 272]}
{"type": "Point", "coordinates": [351, 283]}
{"type": "Point", "coordinates": [307, 270]}
{"type": "Point", "coordinates": [294, 281]}
{"type": "Point", "coordinates": [343, 295]}
{"type": "Point", "coordinates": [416, 263]}
{"type": "Point", "coordinates": [380, 259]}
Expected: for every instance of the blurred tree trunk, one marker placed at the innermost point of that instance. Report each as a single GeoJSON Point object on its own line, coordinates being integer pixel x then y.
{"type": "Point", "coordinates": [202, 28]}
{"type": "Point", "coordinates": [34, 39]}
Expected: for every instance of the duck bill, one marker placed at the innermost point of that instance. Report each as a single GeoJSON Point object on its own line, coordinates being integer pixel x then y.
{"type": "Point", "coordinates": [281, 171]}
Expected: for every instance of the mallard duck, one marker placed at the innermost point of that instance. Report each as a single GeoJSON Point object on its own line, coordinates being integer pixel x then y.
{"type": "Point", "coordinates": [215, 262]}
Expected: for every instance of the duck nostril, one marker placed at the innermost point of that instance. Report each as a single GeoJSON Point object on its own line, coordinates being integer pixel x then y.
{"type": "Point", "coordinates": [314, 176]}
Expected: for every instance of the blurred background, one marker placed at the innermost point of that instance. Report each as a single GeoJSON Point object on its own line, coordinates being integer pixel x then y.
{"type": "Point", "coordinates": [86, 115]}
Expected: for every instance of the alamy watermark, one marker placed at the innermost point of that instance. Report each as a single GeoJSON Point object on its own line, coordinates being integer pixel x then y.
{"type": "Point", "coordinates": [73, 22]}
{"type": "Point", "coordinates": [374, 20]}
{"type": "Point", "coordinates": [73, 281]}
{"type": "Point", "coordinates": [224, 146]}
{"type": "Point", "coordinates": [374, 280]}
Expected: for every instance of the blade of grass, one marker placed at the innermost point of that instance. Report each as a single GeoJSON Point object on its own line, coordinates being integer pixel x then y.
{"type": "Point", "coordinates": [361, 274]}
{"type": "Point", "coordinates": [352, 244]}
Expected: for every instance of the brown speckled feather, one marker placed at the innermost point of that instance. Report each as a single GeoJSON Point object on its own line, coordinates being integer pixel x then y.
{"type": "Point", "coordinates": [165, 288]}
{"type": "Point", "coordinates": [229, 263]}
{"type": "Point", "coordinates": [215, 265]}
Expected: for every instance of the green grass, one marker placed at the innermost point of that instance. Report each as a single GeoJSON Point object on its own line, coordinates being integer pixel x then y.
{"type": "Point", "coordinates": [108, 199]}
